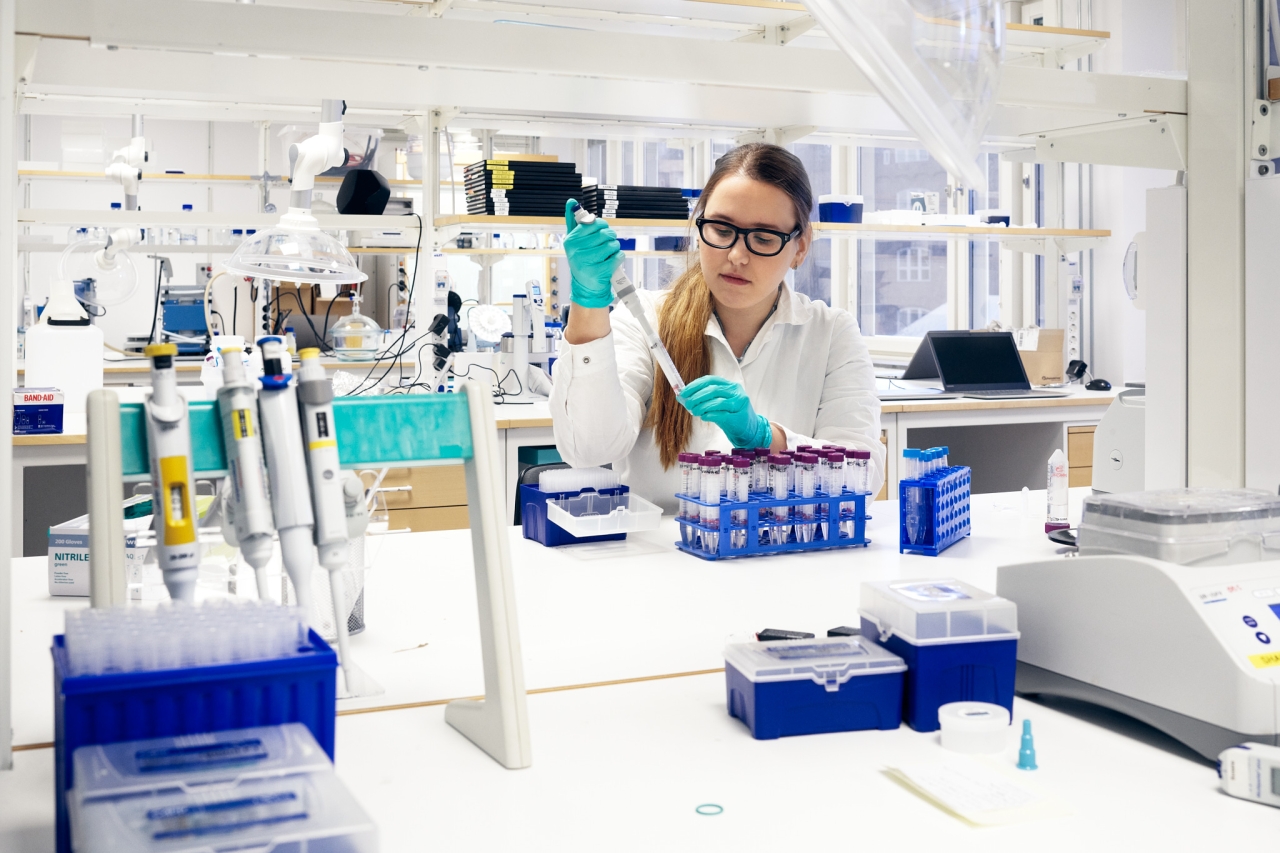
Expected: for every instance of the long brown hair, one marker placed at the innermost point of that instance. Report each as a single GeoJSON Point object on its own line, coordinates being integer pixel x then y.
{"type": "Point", "coordinates": [682, 321]}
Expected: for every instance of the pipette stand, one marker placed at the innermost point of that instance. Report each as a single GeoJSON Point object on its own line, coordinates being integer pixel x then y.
{"type": "Point", "coordinates": [372, 432]}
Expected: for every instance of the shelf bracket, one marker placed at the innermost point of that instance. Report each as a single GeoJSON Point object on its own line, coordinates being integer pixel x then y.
{"type": "Point", "coordinates": [776, 135]}
{"type": "Point", "coordinates": [780, 34]}
{"type": "Point", "coordinates": [1153, 141]}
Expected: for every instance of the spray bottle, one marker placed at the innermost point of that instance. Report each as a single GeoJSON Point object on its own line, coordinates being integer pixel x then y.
{"type": "Point", "coordinates": [246, 498]}
{"type": "Point", "coordinates": [169, 443]}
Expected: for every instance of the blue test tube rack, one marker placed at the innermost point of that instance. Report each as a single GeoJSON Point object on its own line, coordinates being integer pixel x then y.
{"type": "Point", "coordinates": [933, 510]}
{"type": "Point", "coordinates": [760, 522]}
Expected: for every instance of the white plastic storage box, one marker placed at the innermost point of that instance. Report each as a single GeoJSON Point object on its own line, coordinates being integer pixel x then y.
{"type": "Point", "coordinates": [802, 687]}
{"type": "Point", "coordinates": [960, 644]}
{"type": "Point", "coordinates": [1203, 527]}
{"type": "Point", "coordinates": [265, 788]}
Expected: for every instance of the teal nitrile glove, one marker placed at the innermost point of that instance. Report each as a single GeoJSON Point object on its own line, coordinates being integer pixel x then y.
{"type": "Point", "coordinates": [725, 404]}
{"type": "Point", "coordinates": [593, 256]}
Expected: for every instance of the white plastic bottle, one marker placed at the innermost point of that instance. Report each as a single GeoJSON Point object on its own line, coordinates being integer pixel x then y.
{"type": "Point", "coordinates": [188, 233]}
{"type": "Point", "coordinates": [1056, 518]}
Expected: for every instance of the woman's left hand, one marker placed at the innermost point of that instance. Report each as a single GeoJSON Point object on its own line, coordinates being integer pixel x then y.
{"type": "Point", "coordinates": [725, 404]}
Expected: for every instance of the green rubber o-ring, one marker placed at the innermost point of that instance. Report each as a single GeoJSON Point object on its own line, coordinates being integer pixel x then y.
{"type": "Point", "coordinates": [709, 809]}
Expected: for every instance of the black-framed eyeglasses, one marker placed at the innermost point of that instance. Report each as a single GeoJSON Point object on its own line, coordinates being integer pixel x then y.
{"type": "Point", "coordinates": [764, 242]}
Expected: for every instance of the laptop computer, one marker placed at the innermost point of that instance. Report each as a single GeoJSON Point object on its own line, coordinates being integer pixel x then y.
{"type": "Point", "coordinates": [982, 364]}
{"type": "Point", "coordinates": [900, 389]}
{"type": "Point", "coordinates": [922, 365]}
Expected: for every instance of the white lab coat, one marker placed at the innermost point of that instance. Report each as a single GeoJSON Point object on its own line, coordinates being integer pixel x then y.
{"type": "Point", "coordinates": [808, 371]}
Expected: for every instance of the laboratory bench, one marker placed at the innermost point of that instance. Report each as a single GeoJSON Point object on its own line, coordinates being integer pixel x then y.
{"type": "Point", "coordinates": [622, 645]}
{"type": "Point", "coordinates": [1006, 442]}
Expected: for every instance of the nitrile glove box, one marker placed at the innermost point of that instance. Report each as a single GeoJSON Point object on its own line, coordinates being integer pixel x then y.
{"type": "Point", "coordinates": [960, 644]}
{"type": "Point", "coordinates": [69, 553]}
{"type": "Point", "coordinates": [37, 411]}
{"type": "Point", "coordinates": [804, 687]}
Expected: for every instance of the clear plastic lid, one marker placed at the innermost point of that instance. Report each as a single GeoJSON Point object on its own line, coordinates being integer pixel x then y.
{"type": "Point", "coordinates": [830, 661]}
{"type": "Point", "coordinates": [1183, 507]}
{"type": "Point", "coordinates": [925, 611]}
{"type": "Point", "coordinates": [356, 337]}
{"type": "Point", "coordinates": [106, 771]}
{"type": "Point", "coordinates": [312, 812]}
{"type": "Point", "coordinates": [296, 250]}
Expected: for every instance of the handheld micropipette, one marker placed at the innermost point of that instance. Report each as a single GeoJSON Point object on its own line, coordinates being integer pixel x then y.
{"type": "Point", "coordinates": [247, 502]}
{"type": "Point", "coordinates": [329, 504]}
{"type": "Point", "coordinates": [287, 469]}
{"type": "Point", "coordinates": [626, 293]}
{"type": "Point", "coordinates": [169, 443]}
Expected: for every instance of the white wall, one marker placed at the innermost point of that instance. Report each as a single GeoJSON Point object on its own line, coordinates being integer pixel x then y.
{"type": "Point", "coordinates": [1147, 36]}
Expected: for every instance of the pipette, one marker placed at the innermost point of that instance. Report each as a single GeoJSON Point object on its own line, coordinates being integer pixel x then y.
{"type": "Point", "coordinates": [246, 499]}
{"type": "Point", "coordinates": [169, 443]}
{"type": "Point", "coordinates": [625, 291]}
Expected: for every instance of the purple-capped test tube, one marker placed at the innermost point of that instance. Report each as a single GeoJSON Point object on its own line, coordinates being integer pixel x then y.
{"type": "Point", "coordinates": [711, 477]}
{"type": "Point", "coordinates": [739, 493]}
{"type": "Point", "coordinates": [806, 466]}
{"type": "Point", "coordinates": [779, 474]}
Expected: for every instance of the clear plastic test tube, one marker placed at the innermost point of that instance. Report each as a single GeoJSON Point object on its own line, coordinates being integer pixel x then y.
{"type": "Point", "coordinates": [806, 475]}
{"type": "Point", "coordinates": [943, 453]}
{"type": "Point", "coordinates": [859, 474]}
{"type": "Point", "coordinates": [780, 474]}
{"type": "Point", "coordinates": [711, 477]}
{"type": "Point", "coordinates": [739, 493]}
{"type": "Point", "coordinates": [791, 470]}
{"type": "Point", "coordinates": [760, 471]}
{"type": "Point", "coordinates": [688, 464]}
{"type": "Point", "coordinates": [911, 462]}
{"type": "Point", "coordinates": [836, 471]}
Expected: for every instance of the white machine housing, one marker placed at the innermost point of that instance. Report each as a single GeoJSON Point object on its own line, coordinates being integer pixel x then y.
{"type": "Point", "coordinates": [1192, 650]}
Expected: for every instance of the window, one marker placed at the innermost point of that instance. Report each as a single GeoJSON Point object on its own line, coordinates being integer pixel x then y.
{"type": "Point", "coordinates": [663, 166]}
{"type": "Point", "coordinates": [597, 165]}
{"type": "Point", "coordinates": [913, 263]}
{"type": "Point", "coordinates": [813, 278]}
{"type": "Point", "coordinates": [902, 285]}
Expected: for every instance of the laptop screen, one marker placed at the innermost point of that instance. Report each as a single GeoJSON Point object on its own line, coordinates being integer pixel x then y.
{"type": "Point", "coordinates": [983, 359]}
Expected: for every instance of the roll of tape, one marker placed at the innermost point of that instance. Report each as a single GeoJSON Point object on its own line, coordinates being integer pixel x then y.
{"type": "Point", "coordinates": [974, 727]}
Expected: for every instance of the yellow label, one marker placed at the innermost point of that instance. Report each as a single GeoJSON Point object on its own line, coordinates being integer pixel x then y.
{"type": "Point", "coordinates": [242, 423]}
{"type": "Point", "coordinates": [1265, 660]}
{"type": "Point", "coordinates": [175, 501]}
{"type": "Point", "coordinates": [492, 164]}
{"type": "Point", "coordinates": [324, 442]}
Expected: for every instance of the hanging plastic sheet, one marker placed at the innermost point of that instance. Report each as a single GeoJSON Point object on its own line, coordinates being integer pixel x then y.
{"type": "Point", "coordinates": [936, 62]}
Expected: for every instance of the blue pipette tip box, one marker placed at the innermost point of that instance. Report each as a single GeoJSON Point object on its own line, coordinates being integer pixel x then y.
{"type": "Point", "coordinates": [803, 687]}
{"type": "Point", "coordinates": [535, 525]}
{"type": "Point", "coordinates": [121, 706]}
{"type": "Point", "coordinates": [960, 644]}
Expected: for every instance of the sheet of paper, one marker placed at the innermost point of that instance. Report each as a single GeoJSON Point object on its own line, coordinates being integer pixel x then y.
{"type": "Point", "coordinates": [978, 791]}
{"type": "Point", "coordinates": [1027, 339]}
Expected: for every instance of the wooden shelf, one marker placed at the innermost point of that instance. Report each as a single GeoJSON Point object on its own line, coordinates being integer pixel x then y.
{"type": "Point", "coordinates": [194, 219]}
{"type": "Point", "coordinates": [555, 253]}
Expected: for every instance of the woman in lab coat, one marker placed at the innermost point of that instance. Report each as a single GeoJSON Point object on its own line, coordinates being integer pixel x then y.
{"type": "Point", "coordinates": [765, 366]}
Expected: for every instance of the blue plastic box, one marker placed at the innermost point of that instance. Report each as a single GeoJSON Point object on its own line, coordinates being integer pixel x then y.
{"type": "Point", "coordinates": [933, 510]}
{"type": "Point", "coordinates": [535, 526]}
{"type": "Point", "coordinates": [840, 208]}
{"type": "Point", "coordinates": [960, 644]}
{"type": "Point", "coordinates": [98, 709]}
{"type": "Point", "coordinates": [805, 687]}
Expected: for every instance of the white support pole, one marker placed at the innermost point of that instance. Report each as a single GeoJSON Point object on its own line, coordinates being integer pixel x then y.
{"type": "Point", "coordinates": [8, 344]}
{"type": "Point", "coordinates": [108, 585]}
{"type": "Point", "coordinates": [843, 178]}
{"type": "Point", "coordinates": [1053, 299]}
{"type": "Point", "coordinates": [1220, 55]}
{"type": "Point", "coordinates": [499, 723]}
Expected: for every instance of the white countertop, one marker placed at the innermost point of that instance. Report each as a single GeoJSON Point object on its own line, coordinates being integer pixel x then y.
{"type": "Point", "coordinates": [622, 767]}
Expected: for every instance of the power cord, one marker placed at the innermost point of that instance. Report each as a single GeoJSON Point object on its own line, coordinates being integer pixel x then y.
{"type": "Point", "coordinates": [396, 350]}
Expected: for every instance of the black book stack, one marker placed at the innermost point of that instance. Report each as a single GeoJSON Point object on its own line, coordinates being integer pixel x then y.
{"type": "Point", "coordinates": [521, 187]}
{"type": "Point", "coordinates": [619, 202]}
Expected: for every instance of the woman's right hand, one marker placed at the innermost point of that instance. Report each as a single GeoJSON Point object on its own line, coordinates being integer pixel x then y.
{"type": "Point", "coordinates": [593, 255]}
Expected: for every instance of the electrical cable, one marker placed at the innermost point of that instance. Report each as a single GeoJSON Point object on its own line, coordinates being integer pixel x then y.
{"type": "Point", "coordinates": [222, 321]}
{"type": "Point", "coordinates": [235, 308]}
{"type": "Point", "coordinates": [155, 309]}
{"type": "Point", "coordinates": [325, 326]}
{"type": "Point", "coordinates": [302, 310]}
{"type": "Point", "coordinates": [413, 283]}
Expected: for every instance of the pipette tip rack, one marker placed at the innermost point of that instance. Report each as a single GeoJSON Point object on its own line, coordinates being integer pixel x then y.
{"type": "Point", "coordinates": [933, 510]}
{"type": "Point", "coordinates": [839, 522]}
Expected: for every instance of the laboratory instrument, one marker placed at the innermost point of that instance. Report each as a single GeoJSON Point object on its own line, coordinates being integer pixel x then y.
{"type": "Point", "coordinates": [974, 727]}
{"type": "Point", "coordinates": [329, 498]}
{"type": "Point", "coordinates": [1251, 771]}
{"type": "Point", "coordinates": [1056, 493]}
{"type": "Point", "coordinates": [799, 687]}
{"type": "Point", "coordinates": [1027, 749]}
{"type": "Point", "coordinates": [1119, 445]}
{"type": "Point", "coordinates": [959, 642]}
{"type": "Point", "coordinates": [626, 293]}
{"type": "Point", "coordinates": [246, 500]}
{"type": "Point", "coordinates": [287, 469]}
{"type": "Point", "coordinates": [1170, 614]}
{"type": "Point", "coordinates": [574, 505]}
{"type": "Point", "coordinates": [169, 446]}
